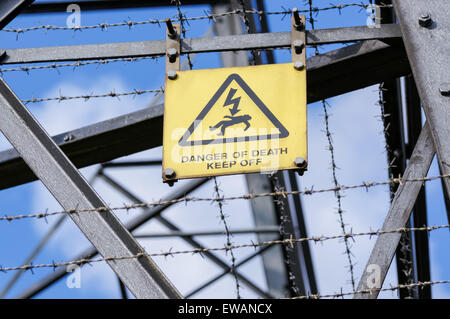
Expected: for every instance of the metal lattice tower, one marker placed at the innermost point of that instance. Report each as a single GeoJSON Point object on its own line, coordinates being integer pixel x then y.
{"type": "Point", "coordinates": [406, 54]}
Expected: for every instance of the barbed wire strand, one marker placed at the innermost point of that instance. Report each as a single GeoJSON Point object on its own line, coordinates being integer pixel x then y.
{"type": "Point", "coordinates": [373, 290]}
{"type": "Point", "coordinates": [92, 96]}
{"type": "Point", "coordinates": [182, 20]}
{"type": "Point", "coordinates": [338, 193]}
{"type": "Point", "coordinates": [404, 249]}
{"type": "Point", "coordinates": [228, 236]}
{"type": "Point", "coordinates": [311, 21]}
{"type": "Point", "coordinates": [208, 16]}
{"type": "Point", "coordinates": [171, 253]}
{"type": "Point", "coordinates": [75, 65]}
{"type": "Point", "coordinates": [78, 64]}
{"type": "Point", "coordinates": [246, 20]}
{"type": "Point", "coordinates": [285, 233]}
{"type": "Point", "coordinates": [249, 196]}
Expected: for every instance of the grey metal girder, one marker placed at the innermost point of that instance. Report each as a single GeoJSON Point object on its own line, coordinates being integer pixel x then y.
{"type": "Point", "coordinates": [383, 252]}
{"type": "Point", "coordinates": [428, 49]}
{"type": "Point", "coordinates": [9, 9]}
{"type": "Point", "coordinates": [195, 45]}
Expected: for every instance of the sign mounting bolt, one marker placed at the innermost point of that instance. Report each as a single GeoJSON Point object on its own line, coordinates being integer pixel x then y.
{"type": "Point", "coordinates": [169, 173]}
{"type": "Point", "coordinates": [298, 22]}
{"type": "Point", "coordinates": [298, 46]}
{"type": "Point", "coordinates": [425, 20]}
{"type": "Point", "coordinates": [172, 75]}
{"type": "Point", "coordinates": [445, 89]}
{"type": "Point", "coordinates": [68, 137]}
{"type": "Point", "coordinates": [300, 162]}
{"type": "Point", "coordinates": [172, 53]}
{"type": "Point", "coordinates": [299, 65]}
{"type": "Point", "coordinates": [171, 32]}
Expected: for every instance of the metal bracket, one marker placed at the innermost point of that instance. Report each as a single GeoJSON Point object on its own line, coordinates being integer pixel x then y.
{"type": "Point", "coordinates": [173, 52]}
{"type": "Point", "coordinates": [298, 40]}
{"type": "Point", "coordinates": [298, 49]}
{"type": "Point", "coordinates": [173, 47]}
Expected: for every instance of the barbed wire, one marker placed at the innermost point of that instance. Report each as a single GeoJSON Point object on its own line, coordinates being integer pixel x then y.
{"type": "Point", "coordinates": [207, 16]}
{"type": "Point", "coordinates": [181, 17]}
{"type": "Point", "coordinates": [249, 196]}
{"type": "Point", "coordinates": [337, 193]}
{"type": "Point", "coordinates": [228, 235]}
{"type": "Point", "coordinates": [78, 64]}
{"type": "Point", "coordinates": [56, 66]}
{"type": "Point", "coordinates": [285, 233]}
{"type": "Point", "coordinates": [246, 21]}
{"type": "Point", "coordinates": [331, 149]}
{"type": "Point", "coordinates": [171, 253]}
{"type": "Point", "coordinates": [373, 290]}
{"type": "Point", "coordinates": [91, 96]}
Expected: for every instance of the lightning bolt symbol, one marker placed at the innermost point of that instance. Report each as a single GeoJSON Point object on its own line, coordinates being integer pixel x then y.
{"type": "Point", "coordinates": [231, 101]}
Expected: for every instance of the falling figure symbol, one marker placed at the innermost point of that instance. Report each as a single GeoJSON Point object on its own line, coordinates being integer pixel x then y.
{"type": "Point", "coordinates": [232, 120]}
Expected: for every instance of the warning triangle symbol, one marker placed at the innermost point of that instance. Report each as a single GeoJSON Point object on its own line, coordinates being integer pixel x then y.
{"type": "Point", "coordinates": [232, 116]}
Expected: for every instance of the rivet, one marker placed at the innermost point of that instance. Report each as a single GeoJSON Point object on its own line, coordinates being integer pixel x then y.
{"type": "Point", "coordinates": [298, 22]}
{"type": "Point", "coordinates": [298, 46]}
{"type": "Point", "coordinates": [171, 32]}
{"type": "Point", "coordinates": [445, 89]}
{"type": "Point", "coordinates": [300, 162]}
{"type": "Point", "coordinates": [172, 75]}
{"type": "Point", "coordinates": [68, 137]}
{"type": "Point", "coordinates": [169, 173]}
{"type": "Point", "coordinates": [425, 20]}
{"type": "Point", "coordinates": [172, 53]}
{"type": "Point", "coordinates": [299, 65]}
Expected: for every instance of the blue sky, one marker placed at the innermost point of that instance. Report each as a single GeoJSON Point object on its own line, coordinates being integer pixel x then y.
{"type": "Point", "coordinates": [357, 133]}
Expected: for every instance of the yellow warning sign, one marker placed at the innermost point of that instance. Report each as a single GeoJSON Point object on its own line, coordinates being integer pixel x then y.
{"type": "Point", "coordinates": [234, 120]}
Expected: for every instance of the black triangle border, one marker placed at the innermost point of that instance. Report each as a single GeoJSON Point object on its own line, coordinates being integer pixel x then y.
{"type": "Point", "coordinates": [283, 131]}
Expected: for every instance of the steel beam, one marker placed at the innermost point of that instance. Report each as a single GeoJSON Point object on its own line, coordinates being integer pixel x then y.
{"type": "Point", "coordinates": [9, 9]}
{"type": "Point", "coordinates": [134, 224]}
{"type": "Point", "coordinates": [265, 215]}
{"type": "Point", "coordinates": [354, 67]}
{"type": "Point", "coordinates": [300, 231]}
{"type": "Point", "coordinates": [419, 218]}
{"type": "Point", "coordinates": [195, 45]}
{"type": "Point", "coordinates": [394, 128]}
{"type": "Point", "coordinates": [428, 48]}
{"type": "Point", "coordinates": [344, 70]}
{"type": "Point", "coordinates": [399, 213]}
{"type": "Point", "coordinates": [141, 275]}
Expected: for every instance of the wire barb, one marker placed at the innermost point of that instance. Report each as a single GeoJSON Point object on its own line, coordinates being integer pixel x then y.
{"type": "Point", "coordinates": [306, 191]}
